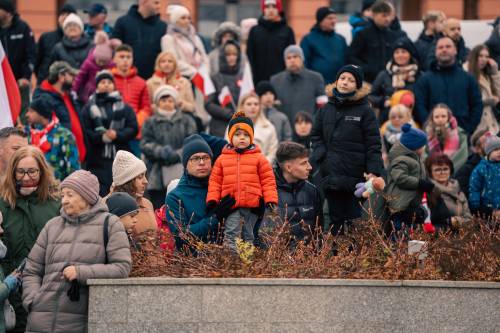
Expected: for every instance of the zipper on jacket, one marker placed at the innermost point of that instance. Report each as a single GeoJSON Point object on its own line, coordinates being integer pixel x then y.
{"type": "Point", "coordinates": [238, 178]}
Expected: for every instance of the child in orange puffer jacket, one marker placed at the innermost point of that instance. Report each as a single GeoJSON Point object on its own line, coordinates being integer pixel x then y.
{"type": "Point", "coordinates": [243, 172]}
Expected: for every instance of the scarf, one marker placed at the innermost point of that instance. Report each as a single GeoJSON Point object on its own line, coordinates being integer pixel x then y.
{"type": "Point", "coordinates": [401, 74]}
{"type": "Point", "coordinates": [76, 126]}
{"type": "Point", "coordinates": [444, 140]}
{"type": "Point", "coordinates": [340, 98]}
{"type": "Point", "coordinates": [38, 137]}
{"type": "Point", "coordinates": [98, 114]}
{"type": "Point", "coordinates": [186, 39]}
{"type": "Point", "coordinates": [392, 134]}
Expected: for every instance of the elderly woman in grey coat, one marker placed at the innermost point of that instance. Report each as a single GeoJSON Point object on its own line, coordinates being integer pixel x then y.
{"type": "Point", "coordinates": [84, 242]}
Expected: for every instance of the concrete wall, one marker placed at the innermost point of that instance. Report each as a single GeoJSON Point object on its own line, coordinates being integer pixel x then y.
{"type": "Point", "coordinates": [278, 305]}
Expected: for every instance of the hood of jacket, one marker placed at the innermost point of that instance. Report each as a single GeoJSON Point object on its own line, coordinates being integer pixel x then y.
{"type": "Point", "coordinates": [282, 184]}
{"type": "Point", "coordinates": [222, 29]}
{"type": "Point", "coordinates": [356, 20]}
{"type": "Point", "coordinates": [231, 150]}
{"type": "Point", "coordinates": [133, 11]}
{"type": "Point", "coordinates": [272, 25]}
{"type": "Point", "coordinates": [223, 66]}
{"type": "Point", "coordinates": [83, 42]}
{"type": "Point", "coordinates": [99, 208]}
{"type": "Point", "coordinates": [360, 97]}
{"type": "Point", "coordinates": [131, 73]}
{"type": "Point", "coordinates": [398, 150]}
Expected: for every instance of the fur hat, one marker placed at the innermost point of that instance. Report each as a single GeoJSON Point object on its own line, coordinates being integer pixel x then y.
{"type": "Point", "coordinates": [126, 167]}
{"type": "Point", "coordinates": [85, 184]}
{"type": "Point", "coordinates": [413, 138]}
{"type": "Point", "coordinates": [240, 121]}
{"type": "Point", "coordinates": [104, 47]}
{"type": "Point", "coordinates": [166, 90]}
{"type": "Point", "coordinates": [73, 18]}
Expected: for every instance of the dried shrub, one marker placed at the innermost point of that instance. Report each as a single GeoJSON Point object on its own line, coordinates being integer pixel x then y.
{"type": "Point", "coordinates": [472, 253]}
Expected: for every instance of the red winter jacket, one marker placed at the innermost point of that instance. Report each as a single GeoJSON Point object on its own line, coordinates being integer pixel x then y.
{"type": "Point", "coordinates": [134, 92]}
{"type": "Point", "coordinates": [247, 177]}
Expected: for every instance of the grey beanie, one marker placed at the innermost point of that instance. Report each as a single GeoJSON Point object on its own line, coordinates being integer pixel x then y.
{"type": "Point", "coordinates": [294, 49]}
{"type": "Point", "coordinates": [85, 184]}
{"type": "Point", "coordinates": [492, 144]}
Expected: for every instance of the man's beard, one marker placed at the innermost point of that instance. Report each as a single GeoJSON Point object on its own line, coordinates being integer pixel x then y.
{"type": "Point", "coordinates": [66, 86]}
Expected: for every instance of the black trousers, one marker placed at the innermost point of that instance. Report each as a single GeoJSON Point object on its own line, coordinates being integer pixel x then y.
{"type": "Point", "coordinates": [343, 207]}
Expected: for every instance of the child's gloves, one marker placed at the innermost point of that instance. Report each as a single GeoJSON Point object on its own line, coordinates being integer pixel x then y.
{"type": "Point", "coordinates": [169, 155]}
{"type": "Point", "coordinates": [271, 206]}
{"type": "Point", "coordinates": [272, 213]}
{"type": "Point", "coordinates": [425, 185]}
{"type": "Point", "coordinates": [12, 282]}
{"type": "Point", "coordinates": [223, 209]}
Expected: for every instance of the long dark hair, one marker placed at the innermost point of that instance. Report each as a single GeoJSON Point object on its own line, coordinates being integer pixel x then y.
{"type": "Point", "coordinates": [473, 66]}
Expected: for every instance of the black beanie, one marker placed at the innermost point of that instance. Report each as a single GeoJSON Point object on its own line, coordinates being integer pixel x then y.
{"type": "Point", "coordinates": [367, 4]}
{"type": "Point", "coordinates": [8, 6]}
{"type": "Point", "coordinates": [406, 44]}
{"type": "Point", "coordinates": [356, 71]}
{"type": "Point", "coordinates": [43, 106]}
{"type": "Point", "coordinates": [104, 74]}
{"type": "Point", "coordinates": [323, 12]}
{"type": "Point", "coordinates": [121, 204]}
{"type": "Point", "coordinates": [194, 144]}
{"type": "Point", "coordinates": [264, 87]}
{"type": "Point", "coordinates": [67, 9]}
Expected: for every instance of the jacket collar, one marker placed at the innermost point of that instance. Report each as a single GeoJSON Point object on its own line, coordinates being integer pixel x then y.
{"type": "Point", "coordinates": [360, 97]}
{"type": "Point", "coordinates": [99, 208]}
{"type": "Point", "coordinates": [133, 11]}
{"type": "Point", "coordinates": [283, 184]}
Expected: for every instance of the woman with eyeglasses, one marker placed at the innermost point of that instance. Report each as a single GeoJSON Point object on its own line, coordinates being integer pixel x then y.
{"type": "Point", "coordinates": [448, 204]}
{"type": "Point", "coordinates": [27, 201]}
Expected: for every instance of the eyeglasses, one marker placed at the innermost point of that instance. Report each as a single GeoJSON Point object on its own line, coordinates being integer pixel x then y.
{"type": "Point", "coordinates": [31, 172]}
{"type": "Point", "coordinates": [441, 170]}
{"type": "Point", "coordinates": [199, 159]}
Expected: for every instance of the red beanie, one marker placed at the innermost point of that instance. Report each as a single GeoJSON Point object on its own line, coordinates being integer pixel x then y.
{"type": "Point", "coordinates": [277, 3]}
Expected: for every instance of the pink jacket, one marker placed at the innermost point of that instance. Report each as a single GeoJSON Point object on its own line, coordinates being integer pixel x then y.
{"type": "Point", "coordinates": [84, 84]}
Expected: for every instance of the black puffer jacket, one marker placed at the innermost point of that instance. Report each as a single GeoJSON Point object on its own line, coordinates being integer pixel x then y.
{"type": "Point", "coordinates": [346, 141]}
{"type": "Point", "coordinates": [371, 49]}
{"type": "Point", "coordinates": [299, 201]}
{"type": "Point", "coordinates": [266, 43]}
{"type": "Point", "coordinates": [74, 53]}
{"type": "Point", "coordinates": [44, 50]}
{"type": "Point", "coordinates": [19, 45]}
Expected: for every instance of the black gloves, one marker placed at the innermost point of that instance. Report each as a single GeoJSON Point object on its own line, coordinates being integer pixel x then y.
{"type": "Point", "coordinates": [425, 185]}
{"type": "Point", "coordinates": [74, 291]}
{"type": "Point", "coordinates": [169, 155]}
{"type": "Point", "coordinates": [223, 209]}
{"type": "Point", "coordinates": [271, 206]}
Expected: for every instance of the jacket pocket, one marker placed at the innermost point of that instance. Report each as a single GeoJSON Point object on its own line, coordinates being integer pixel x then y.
{"type": "Point", "coordinates": [251, 197]}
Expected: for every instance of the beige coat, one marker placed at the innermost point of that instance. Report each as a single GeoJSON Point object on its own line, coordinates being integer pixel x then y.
{"type": "Point", "coordinates": [68, 241]}
{"type": "Point", "coordinates": [182, 85]}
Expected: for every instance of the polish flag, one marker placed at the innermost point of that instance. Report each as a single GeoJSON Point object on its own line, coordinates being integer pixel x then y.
{"type": "Point", "coordinates": [428, 226]}
{"type": "Point", "coordinates": [202, 81]}
{"type": "Point", "coordinates": [321, 101]}
{"type": "Point", "coordinates": [225, 97]}
{"type": "Point", "coordinates": [246, 86]}
{"type": "Point", "coordinates": [10, 98]}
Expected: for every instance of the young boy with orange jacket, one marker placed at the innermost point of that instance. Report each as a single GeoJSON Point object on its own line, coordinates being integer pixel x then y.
{"type": "Point", "coordinates": [243, 172]}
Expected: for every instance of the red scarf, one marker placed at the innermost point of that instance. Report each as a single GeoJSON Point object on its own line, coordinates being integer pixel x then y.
{"type": "Point", "coordinates": [76, 126]}
{"type": "Point", "coordinates": [39, 137]}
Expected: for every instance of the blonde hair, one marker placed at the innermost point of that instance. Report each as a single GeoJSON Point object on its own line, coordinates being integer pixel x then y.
{"type": "Point", "coordinates": [244, 98]}
{"type": "Point", "coordinates": [46, 183]}
{"type": "Point", "coordinates": [400, 109]}
{"type": "Point", "coordinates": [432, 16]}
{"type": "Point", "coordinates": [166, 54]}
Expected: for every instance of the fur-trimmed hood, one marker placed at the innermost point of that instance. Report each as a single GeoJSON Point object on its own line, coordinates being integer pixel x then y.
{"type": "Point", "coordinates": [360, 93]}
{"type": "Point", "coordinates": [222, 29]}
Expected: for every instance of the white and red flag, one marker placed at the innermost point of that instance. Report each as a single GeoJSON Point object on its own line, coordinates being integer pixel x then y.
{"type": "Point", "coordinates": [246, 85]}
{"type": "Point", "coordinates": [202, 81]}
{"type": "Point", "coordinates": [10, 98]}
{"type": "Point", "coordinates": [225, 97]}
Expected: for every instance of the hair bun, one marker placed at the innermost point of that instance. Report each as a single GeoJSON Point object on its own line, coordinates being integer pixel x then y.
{"type": "Point", "coordinates": [406, 128]}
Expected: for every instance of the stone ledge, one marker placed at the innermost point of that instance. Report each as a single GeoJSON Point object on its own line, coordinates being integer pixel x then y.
{"type": "Point", "coordinates": [294, 282]}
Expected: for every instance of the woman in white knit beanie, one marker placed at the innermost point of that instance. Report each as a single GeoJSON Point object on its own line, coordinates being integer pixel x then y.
{"type": "Point", "coordinates": [129, 176]}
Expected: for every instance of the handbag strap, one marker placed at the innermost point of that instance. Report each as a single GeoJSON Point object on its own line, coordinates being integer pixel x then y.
{"type": "Point", "coordinates": [105, 236]}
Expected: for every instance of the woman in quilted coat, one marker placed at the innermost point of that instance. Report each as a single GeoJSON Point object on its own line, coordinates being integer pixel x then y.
{"type": "Point", "coordinates": [242, 172]}
{"type": "Point", "coordinates": [71, 249]}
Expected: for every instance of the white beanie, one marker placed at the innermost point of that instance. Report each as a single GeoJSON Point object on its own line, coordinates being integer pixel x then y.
{"type": "Point", "coordinates": [126, 167]}
{"type": "Point", "coordinates": [175, 12]}
{"type": "Point", "coordinates": [73, 18]}
{"type": "Point", "coordinates": [165, 90]}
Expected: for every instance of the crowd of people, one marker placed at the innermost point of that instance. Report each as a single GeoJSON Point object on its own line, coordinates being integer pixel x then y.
{"type": "Point", "coordinates": [118, 138]}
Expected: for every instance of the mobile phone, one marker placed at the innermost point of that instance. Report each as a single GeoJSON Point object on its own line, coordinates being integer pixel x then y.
{"type": "Point", "coordinates": [21, 266]}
